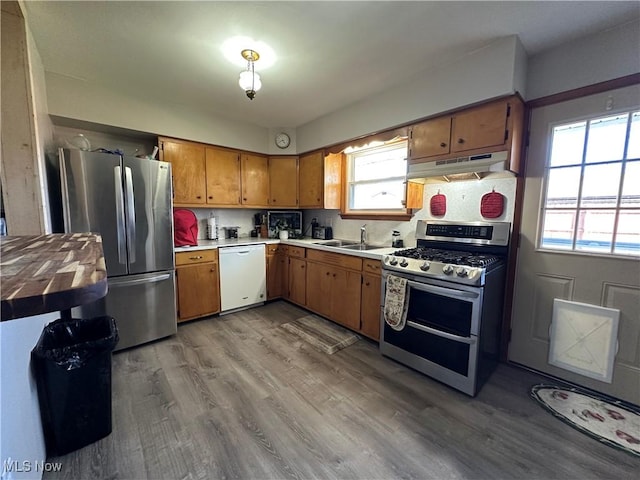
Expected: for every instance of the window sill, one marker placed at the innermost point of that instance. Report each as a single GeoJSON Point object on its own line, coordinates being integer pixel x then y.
{"type": "Point", "coordinates": [399, 217]}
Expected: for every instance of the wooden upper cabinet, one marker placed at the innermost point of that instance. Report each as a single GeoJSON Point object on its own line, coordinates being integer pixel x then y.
{"type": "Point", "coordinates": [188, 170]}
{"type": "Point", "coordinates": [430, 138]}
{"type": "Point", "coordinates": [333, 176]}
{"type": "Point", "coordinates": [283, 181]}
{"type": "Point", "coordinates": [311, 175]}
{"type": "Point", "coordinates": [479, 127]}
{"type": "Point", "coordinates": [486, 128]}
{"type": "Point", "coordinates": [255, 180]}
{"type": "Point", "coordinates": [223, 176]}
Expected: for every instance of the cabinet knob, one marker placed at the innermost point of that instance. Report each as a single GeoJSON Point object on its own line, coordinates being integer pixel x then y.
{"type": "Point", "coordinates": [244, 199]}
{"type": "Point", "coordinates": [461, 140]}
{"type": "Point", "coordinates": [213, 270]}
{"type": "Point", "coordinates": [210, 197]}
{"type": "Point", "coordinates": [327, 273]}
{"type": "Point", "coordinates": [443, 144]}
{"type": "Point", "coordinates": [195, 258]}
{"type": "Point", "coordinates": [367, 284]}
{"type": "Point", "coordinates": [273, 200]}
{"type": "Point", "coordinates": [198, 196]}
{"type": "Point", "coordinates": [301, 266]}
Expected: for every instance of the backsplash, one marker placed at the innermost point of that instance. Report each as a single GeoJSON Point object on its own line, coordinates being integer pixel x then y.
{"type": "Point", "coordinates": [462, 204]}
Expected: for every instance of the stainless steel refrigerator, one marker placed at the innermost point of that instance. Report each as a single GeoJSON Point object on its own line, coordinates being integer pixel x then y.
{"type": "Point", "coordinates": [128, 201]}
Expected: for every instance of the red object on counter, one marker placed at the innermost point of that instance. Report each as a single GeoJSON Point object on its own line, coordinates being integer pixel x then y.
{"type": "Point", "coordinates": [438, 205]}
{"type": "Point", "coordinates": [185, 228]}
{"type": "Point", "coordinates": [492, 204]}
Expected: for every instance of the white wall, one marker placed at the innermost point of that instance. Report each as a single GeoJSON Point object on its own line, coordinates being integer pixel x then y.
{"type": "Point", "coordinates": [21, 437]}
{"type": "Point", "coordinates": [81, 100]}
{"type": "Point", "coordinates": [607, 55]}
{"type": "Point", "coordinates": [492, 71]}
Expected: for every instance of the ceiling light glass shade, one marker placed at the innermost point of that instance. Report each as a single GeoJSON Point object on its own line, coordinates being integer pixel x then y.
{"type": "Point", "coordinates": [250, 81]}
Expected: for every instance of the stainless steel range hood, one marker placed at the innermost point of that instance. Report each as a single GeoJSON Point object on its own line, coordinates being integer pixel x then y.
{"type": "Point", "coordinates": [486, 162]}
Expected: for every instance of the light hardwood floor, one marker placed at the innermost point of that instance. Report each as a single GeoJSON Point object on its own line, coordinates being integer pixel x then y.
{"type": "Point", "coordinates": [238, 397]}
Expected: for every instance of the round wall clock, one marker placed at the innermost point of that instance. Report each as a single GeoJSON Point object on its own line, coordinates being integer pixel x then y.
{"type": "Point", "coordinates": [282, 140]}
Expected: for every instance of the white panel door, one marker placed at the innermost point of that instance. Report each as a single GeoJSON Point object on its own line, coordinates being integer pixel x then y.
{"type": "Point", "coordinates": [589, 277]}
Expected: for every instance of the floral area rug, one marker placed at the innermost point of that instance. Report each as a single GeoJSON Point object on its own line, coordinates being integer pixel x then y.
{"type": "Point", "coordinates": [613, 423]}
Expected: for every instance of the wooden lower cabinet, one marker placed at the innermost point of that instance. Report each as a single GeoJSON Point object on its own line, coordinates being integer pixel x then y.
{"type": "Point", "coordinates": [370, 306]}
{"type": "Point", "coordinates": [198, 284]}
{"type": "Point", "coordinates": [334, 292]}
{"type": "Point", "coordinates": [277, 271]}
{"type": "Point", "coordinates": [297, 291]}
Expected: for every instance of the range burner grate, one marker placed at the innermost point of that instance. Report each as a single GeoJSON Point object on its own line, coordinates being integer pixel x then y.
{"type": "Point", "coordinates": [450, 256]}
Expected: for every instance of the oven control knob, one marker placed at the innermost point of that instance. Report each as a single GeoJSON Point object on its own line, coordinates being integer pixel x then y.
{"type": "Point", "coordinates": [447, 269]}
{"type": "Point", "coordinates": [393, 261]}
{"type": "Point", "coordinates": [473, 272]}
{"type": "Point", "coordinates": [462, 272]}
{"type": "Point", "coordinates": [404, 262]}
{"type": "Point", "coordinates": [425, 266]}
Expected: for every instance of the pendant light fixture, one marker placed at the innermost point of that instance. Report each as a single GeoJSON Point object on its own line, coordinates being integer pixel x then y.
{"type": "Point", "coordinates": [249, 79]}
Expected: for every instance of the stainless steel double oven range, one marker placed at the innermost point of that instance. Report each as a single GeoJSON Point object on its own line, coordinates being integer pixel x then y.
{"type": "Point", "coordinates": [455, 294]}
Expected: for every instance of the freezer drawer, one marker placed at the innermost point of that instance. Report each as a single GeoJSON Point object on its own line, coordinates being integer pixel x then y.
{"type": "Point", "coordinates": [144, 307]}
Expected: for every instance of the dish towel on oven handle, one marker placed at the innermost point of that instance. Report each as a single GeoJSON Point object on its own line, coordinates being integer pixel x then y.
{"type": "Point", "coordinates": [395, 302]}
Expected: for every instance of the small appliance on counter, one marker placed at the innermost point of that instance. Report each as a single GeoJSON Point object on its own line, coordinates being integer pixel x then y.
{"type": "Point", "coordinates": [231, 232]}
{"type": "Point", "coordinates": [396, 241]}
{"type": "Point", "coordinates": [322, 233]}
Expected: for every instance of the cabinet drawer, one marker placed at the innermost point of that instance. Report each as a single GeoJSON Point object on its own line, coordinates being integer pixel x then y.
{"type": "Point", "coordinates": [372, 266]}
{"type": "Point", "coordinates": [296, 251]}
{"type": "Point", "coordinates": [346, 261]}
{"type": "Point", "coordinates": [197, 256]}
{"type": "Point", "coordinates": [274, 248]}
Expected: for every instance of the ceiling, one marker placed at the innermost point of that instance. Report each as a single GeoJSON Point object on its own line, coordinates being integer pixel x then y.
{"type": "Point", "coordinates": [329, 54]}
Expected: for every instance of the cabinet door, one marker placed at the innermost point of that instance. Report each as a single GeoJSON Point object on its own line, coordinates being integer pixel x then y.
{"type": "Point", "coordinates": [311, 175]}
{"type": "Point", "coordinates": [319, 284]}
{"type": "Point", "coordinates": [430, 138]}
{"type": "Point", "coordinates": [370, 307]}
{"type": "Point", "coordinates": [333, 166]}
{"type": "Point", "coordinates": [223, 176]}
{"type": "Point", "coordinates": [198, 290]}
{"type": "Point", "coordinates": [283, 181]}
{"type": "Point", "coordinates": [255, 180]}
{"type": "Point", "coordinates": [188, 170]}
{"type": "Point", "coordinates": [479, 127]}
{"type": "Point", "coordinates": [276, 274]}
{"type": "Point", "coordinates": [345, 297]}
{"type": "Point", "coordinates": [297, 280]}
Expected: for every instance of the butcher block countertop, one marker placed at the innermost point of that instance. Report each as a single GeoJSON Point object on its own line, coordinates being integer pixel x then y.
{"type": "Point", "coordinates": [48, 273]}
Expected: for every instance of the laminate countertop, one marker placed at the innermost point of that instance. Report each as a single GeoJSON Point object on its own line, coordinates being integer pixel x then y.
{"type": "Point", "coordinates": [47, 273]}
{"type": "Point", "coordinates": [376, 253]}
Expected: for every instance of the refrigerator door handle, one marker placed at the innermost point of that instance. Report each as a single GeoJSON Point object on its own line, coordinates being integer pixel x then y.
{"type": "Point", "coordinates": [64, 189]}
{"type": "Point", "coordinates": [122, 248]}
{"type": "Point", "coordinates": [131, 215]}
{"type": "Point", "coordinates": [124, 282]}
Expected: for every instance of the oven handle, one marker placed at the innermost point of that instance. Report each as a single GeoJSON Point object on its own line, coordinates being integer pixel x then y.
{"type": "Point", "coordinates": [440, 333]}
{"type": "Point", "coordinates": [449, 292]}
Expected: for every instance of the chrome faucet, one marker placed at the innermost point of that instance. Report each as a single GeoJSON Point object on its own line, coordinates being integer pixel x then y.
{"type": "Point", "coordinates": [363, 234]}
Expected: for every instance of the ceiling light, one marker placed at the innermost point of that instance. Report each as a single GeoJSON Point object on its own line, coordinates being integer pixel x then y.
{"type": "Point", "coordinates": [249, 79]}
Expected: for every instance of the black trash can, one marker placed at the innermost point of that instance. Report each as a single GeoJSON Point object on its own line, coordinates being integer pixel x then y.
{"type": "Point", "coordinates": [72, 366]}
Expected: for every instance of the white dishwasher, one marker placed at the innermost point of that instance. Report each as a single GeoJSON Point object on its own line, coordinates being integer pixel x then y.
{"type": "Point", "coordinates": [243, 279]}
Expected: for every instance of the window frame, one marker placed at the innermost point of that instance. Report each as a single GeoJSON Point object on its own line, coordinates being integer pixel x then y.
{"type": "Point", "coordinates": [377, 214]}
{"type": "Point", "coordinates": [579, 205]}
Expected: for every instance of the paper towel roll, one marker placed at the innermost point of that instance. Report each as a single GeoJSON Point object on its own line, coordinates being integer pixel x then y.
{"type": "Point", "coordinates": [212, 230]}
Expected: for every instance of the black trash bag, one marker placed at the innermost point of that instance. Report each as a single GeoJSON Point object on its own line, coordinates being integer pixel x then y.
{"type": "Point", "coordinates": [71, 364]}
{"type": "Point", "coordinates": [71, 343]}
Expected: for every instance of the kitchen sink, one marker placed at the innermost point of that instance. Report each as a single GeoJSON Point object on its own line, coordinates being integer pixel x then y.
{"type": "Point", "coordinates": [357, 246]}
{"type": "Point", "coordinates": [338, 243]}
